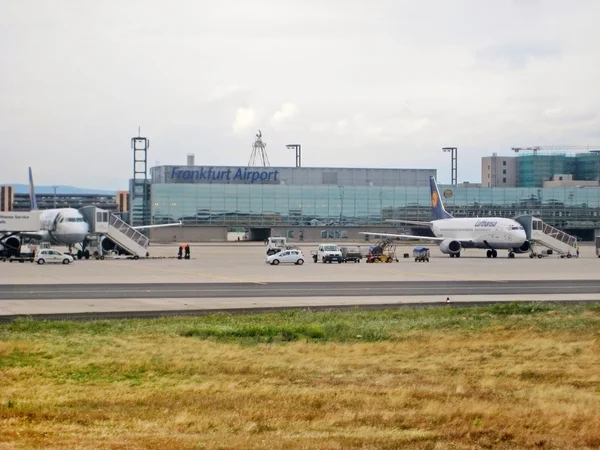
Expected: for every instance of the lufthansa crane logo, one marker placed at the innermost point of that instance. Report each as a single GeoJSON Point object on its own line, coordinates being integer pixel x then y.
{"type": "Point", "coordinates": [448, 193]}
{"type": "Point", "coordinates": [434, 199]}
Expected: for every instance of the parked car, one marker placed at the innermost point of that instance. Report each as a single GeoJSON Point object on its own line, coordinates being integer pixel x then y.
{"type": "Point", "coordinates": [52, 256]}
{"type": "Point", "coordinates": [286, 256]}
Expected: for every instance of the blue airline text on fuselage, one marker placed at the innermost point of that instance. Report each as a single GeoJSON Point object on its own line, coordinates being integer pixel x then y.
{"type": "Point", "coordinates": [486, 223]}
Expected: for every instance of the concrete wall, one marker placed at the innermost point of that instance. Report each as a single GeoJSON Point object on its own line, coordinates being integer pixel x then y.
{"type": "Point", "coordinates": [188, 234]}
{"type": "Point", "coordinates": [294, 234]}
{"type": "Point", "coordinates": [567, 181]}
{"type": "Point", "coordinates": [493, 170]}
{"type": "Point", "coordinates": [337, 234]}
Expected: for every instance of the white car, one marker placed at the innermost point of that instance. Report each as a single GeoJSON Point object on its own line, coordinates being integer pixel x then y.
{"type": "Point", "coordinates": [52, 256]}
{"type": "Point", "coordinates": [286, 256]}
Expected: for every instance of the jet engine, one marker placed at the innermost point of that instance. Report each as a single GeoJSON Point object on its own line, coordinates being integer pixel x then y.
{"type": "Point", "coordinates": [450, 247]}
{"type": "Point", "coordinates": [107, 245]}
{"type": "Point", "coordinates": [523, 248]}
{"type": "Point", "coordinates": [11, 245]}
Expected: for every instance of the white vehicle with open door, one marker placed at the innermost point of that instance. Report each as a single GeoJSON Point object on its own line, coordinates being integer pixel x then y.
{"type": "Point", "coordinates": [286, 256]}
{"type": "Point", "coordinates": [52, 256]}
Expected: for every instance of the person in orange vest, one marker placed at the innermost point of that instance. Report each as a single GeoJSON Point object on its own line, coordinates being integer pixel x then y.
{"type": "Point", "coordinates": [187, 251]}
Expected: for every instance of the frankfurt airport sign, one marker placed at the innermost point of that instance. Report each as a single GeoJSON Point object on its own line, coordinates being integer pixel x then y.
{"type": "Point", "coordinates": [248, 175]}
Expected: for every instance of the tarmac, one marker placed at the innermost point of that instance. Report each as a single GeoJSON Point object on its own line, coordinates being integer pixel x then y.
{"type": "Point", "coordinates": [234, 277]}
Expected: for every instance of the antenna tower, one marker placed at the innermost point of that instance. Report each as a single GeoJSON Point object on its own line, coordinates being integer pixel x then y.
{"type": "Point", "coordinates": [259, 151]}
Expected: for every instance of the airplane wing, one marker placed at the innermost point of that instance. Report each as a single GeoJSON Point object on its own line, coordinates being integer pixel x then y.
{"type": "Point", "coordinates": [410, 222]}
{"type": "Point", "coordinates": [144, 227]}
{"type": "Point", "coordinates": [463, 242]}
{"type": "Point", "coordinates": [36, 236]}
{"type": "Point", "coordinates": [405, 236]}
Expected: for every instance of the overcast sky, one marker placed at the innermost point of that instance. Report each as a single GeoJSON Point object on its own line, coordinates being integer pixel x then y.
{"type": "Point", "coordinates": [377, 83]}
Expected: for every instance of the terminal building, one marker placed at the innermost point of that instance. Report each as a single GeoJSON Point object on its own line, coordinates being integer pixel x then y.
{"type": "Point", "coordinates": [13, 201]}
{"type": "Point", "coordinates": [300, 202]}
{"type": "Point", "coordinates": [337, 203]}
{"type": "Point", "coordinates": [539, 169]}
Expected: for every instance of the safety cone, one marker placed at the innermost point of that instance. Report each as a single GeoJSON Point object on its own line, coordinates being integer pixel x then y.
{"type": "Point", "coordinates": [447, 299]}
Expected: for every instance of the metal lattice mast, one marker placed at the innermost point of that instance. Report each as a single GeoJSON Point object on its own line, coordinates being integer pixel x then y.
{"type": "Point", "coordinates": [454, 153]}
{"type": "Point", "coordinates": [259, 151]}
{"type": "Point", "coordinates": [140, 187]}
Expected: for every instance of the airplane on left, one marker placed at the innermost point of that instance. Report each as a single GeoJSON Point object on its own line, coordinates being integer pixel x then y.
{"type": "Point", "coordinates": [60, 226]}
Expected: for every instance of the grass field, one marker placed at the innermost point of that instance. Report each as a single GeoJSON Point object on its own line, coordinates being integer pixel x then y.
{"type": "Point", "coordinates": [510, 376]}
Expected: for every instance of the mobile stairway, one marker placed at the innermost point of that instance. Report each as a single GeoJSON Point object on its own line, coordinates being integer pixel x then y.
{"type": "Point", "coordinates": [120, 235]}
{"type": "Point", "coordinates": [540, 233]}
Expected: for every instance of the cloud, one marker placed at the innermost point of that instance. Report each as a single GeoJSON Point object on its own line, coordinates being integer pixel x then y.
{"type": "Point", "coordinates": [514, 56]}
{"type": "Point", "coordinates": [224, 92]}
{"type": "Point", "coordinates": [350, 85]}
{"type": "Point", "coordinates": [378, 130]}
{"type": "Point", "coordinates": [245, 119]}
{"type": "Point", "coordinates": [286, 113]}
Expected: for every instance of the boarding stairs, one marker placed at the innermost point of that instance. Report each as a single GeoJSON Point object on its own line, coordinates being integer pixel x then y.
{"type": "Point", "coordinates": [540, 233]}
{"type": "Point", "coordinates": [122, 234]}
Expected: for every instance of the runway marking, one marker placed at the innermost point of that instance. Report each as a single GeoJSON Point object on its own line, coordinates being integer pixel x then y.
{"type": "Point", "coordinates": [186, 272]}
{"type": "Point", "coordinates": [320, 289]}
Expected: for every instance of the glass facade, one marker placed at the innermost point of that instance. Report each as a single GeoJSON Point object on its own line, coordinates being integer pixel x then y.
{"type": "Point", "coordinates": [274, 205]}
{"type": "Point", "coordinates": [588, 166]}
{"type": "Point", "coordinates": [534, 169]}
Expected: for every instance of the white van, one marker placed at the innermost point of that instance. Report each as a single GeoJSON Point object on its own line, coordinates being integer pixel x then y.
{"type": "Point", "coordinates": [328, 253]}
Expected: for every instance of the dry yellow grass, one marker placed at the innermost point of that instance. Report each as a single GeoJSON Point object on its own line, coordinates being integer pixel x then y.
{"type": "Point", "coordinates": [487, 388]}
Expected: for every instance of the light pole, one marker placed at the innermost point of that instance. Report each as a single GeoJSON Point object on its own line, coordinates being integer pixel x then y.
{"type": "Point", "coordinates": [55, 187]}
{"type": "Point", "coordinates": [454, 153]}
{"type": "Point", "coordinates": [298, 149]}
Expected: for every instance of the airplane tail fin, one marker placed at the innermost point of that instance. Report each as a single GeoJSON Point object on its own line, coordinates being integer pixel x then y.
{"type": "Point", "coordinates": [438, 210]}
{"type": "Point", "coordinates": [32, 192]}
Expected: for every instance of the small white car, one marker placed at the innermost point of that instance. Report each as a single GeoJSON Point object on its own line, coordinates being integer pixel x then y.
{"type": "Point", "coordinates": [286, 256]}
{"type": "Point", "coordinates": [52, 256]}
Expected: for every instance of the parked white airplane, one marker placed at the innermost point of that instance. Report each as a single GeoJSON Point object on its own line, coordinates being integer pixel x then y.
{"type": "Point", "coordinates": [454, 234]}
{"type": "Point", "coordinates": [61, 226]}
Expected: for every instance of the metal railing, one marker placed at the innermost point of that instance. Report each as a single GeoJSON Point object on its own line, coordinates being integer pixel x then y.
{"type": "Point", "coordinates": [128, 231]}
{"type": "Point", "coordinates": [559, 235]}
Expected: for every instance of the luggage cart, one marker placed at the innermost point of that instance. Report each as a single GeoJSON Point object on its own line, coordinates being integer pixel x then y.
{"type": "Point", "coordinates": [421, 254]}
{"type": "Point", "coordinates": [384, 251]}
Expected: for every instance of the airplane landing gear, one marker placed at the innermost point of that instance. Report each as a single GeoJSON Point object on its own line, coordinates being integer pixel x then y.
{"type": "Point", "coordinates": [83, 254]}
{"type": "Point", "coordinates": [511, 254]}
{"type": "Point", "coordinates": [492, 253]}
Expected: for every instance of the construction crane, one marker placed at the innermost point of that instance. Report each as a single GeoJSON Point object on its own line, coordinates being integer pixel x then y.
{"type": "Point", "coordinates": [535, 149]}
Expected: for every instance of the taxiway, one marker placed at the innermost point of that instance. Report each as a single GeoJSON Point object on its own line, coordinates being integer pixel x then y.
{"type": "Point", "coordinates": [234, 277]}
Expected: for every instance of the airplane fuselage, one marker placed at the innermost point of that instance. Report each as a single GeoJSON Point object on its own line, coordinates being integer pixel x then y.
{"type": "Point", "coordinates": [64, 226]}
{"type": "Point", "coordinates": [497, 233]}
